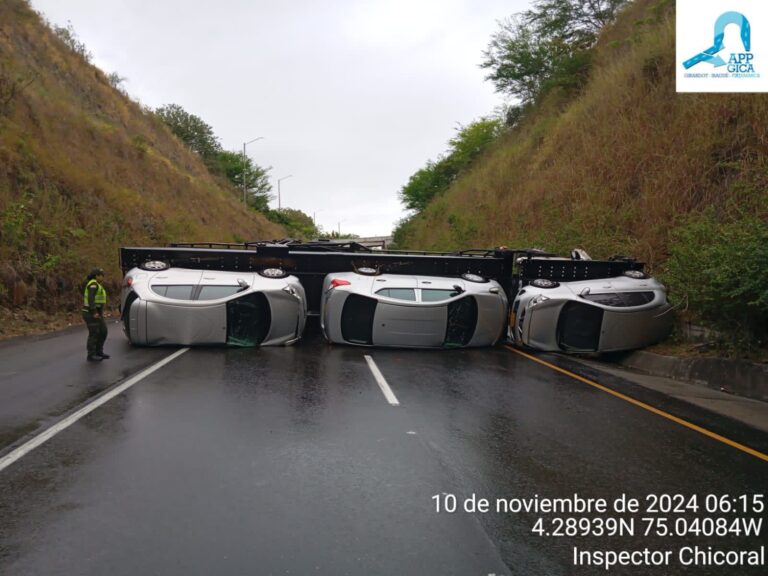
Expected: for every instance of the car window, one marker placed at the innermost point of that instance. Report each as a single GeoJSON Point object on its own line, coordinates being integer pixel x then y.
{"type": "Point", "coordinates": [175, 291]}
{"type": "Point", "coordinates": [435, 295]}
{"type": "Point", "coordinates": [399, 293]}
{"type": "Point", "coordinates": [214, 292]}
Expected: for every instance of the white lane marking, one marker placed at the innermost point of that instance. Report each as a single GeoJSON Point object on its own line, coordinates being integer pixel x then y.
{"type": "Point", "coordinates": [388, 394]}
{"type": "Point", "coordinates": [43, 437]}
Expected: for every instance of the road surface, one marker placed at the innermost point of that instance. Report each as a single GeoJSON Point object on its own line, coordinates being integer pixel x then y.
{"type": "Point", "coordinates": [314, 459]}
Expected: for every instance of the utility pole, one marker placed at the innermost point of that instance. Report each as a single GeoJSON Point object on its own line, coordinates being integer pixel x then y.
{"type": "Point", "coordinates": [245, 169]}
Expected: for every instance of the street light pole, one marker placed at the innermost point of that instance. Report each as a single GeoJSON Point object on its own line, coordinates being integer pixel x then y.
{"type": "Point", "coordinates": [245, 169]}
{"type": "Point", "coordinates": [279, 200]}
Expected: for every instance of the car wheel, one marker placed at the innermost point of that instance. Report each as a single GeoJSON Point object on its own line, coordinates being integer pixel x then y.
{"type": "Point", "coordinates": [154, 265]}
{"type": "Point", "coordinates": [367, 271]}
{"type": "Point", "coordinates": [474, 278]}
{"type": "Point", "coordinates": [544, 283]}
{"type": "Point", "coordinates": [273, 273]}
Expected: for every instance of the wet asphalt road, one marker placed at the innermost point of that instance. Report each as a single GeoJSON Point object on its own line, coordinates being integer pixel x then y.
{"type": "Point", "coordinates": [291, 461]}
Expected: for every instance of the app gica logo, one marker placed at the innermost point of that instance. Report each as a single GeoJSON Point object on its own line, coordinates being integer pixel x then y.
{"type": "Point", "coordinates": [721, 45]}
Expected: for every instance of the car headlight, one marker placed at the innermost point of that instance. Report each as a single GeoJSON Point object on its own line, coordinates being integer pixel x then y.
{"type": "Point", "coordinates": [154, 265]}
{"type": "Point", "coordinates": [636, 274]}
{"type": "Point", "coordinates": [544, 283]}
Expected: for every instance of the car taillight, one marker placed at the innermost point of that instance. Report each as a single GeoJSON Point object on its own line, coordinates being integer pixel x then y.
{"type": "Point", "coordinates": [336, 282]}
{"type": "Point", "coordinates": [128, 281]}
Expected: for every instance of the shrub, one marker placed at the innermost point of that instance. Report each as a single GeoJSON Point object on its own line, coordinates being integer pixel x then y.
{"type": "Point", "coordinates": [68, 35]}
{"type": "Point", "coordinates": [718, 266]}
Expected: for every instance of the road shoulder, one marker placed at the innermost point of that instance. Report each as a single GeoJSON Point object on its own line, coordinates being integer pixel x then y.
{"type": "Point", "coordinates": [753, 413]}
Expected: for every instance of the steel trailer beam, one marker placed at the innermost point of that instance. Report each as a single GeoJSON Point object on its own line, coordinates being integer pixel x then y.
{"type": "Point", "coordinates": [312, 261]}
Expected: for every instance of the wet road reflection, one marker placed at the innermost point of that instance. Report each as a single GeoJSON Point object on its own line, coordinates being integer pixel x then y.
{"type": "Point", "coordinates": [290, 460]}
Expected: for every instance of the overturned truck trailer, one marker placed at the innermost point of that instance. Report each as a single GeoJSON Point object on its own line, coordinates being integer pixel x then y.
{"type": "Point", "coordinates": [311, 262]}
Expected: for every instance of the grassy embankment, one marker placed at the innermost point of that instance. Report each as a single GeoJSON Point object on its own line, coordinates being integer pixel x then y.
{"type": "Point", "coordinates": [628, 166]}
{"type": "Point", "coordinates": [84, 170]}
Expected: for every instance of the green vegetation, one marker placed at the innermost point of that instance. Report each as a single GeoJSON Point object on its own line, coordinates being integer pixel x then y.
{"type": "Point", "coordinates": [622, 165]}
{"type": "Point", "coordinates": [191, 130]}
{"type": "Point", "coordinates": [87, 170]}
{"type": "Point", "coordinates": [436, 177]}
{"type": "Point", "coordinates": [235, 167]}
{"type": "Point", "coordinates": [298, 224]}
{"type": "Point", "coordinates": [546, 46]}
{"type": "Point", "coordinates": [718, 268]}
{"type": "Point", "coordinates": [68, 35]}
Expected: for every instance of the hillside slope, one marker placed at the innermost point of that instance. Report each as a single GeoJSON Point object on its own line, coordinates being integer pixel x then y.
{"type": "Point", "coordinates": [84, 170]}
{"type": "Point", "coordinates": [618, 168]}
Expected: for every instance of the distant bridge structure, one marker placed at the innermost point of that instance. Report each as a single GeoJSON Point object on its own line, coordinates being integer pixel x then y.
{"type": "Point", "coordinates": [380, 242]}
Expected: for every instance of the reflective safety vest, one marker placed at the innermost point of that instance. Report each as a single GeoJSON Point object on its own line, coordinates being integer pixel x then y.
{"type": "Point", "coordinates": [101, 295]}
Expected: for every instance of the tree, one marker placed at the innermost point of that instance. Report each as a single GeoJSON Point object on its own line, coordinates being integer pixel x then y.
{"type": "Point", "coordinates": [257, 185]}
{"type": "Point", "coordinates": [191, 129]}
{"type": "Point", "coordinates": [519, 59]}
{"type": "Point", "coordinates": [471, 140]}
{"type": "Point", "coordinates": [576, 22]}
{"type": "Point", "coordinates": [426, 183]}
{"type": "Point", "coordinates": [436, 177]}
{"type": "Point", "coordinates": [549, 42]}
{"type": "Point", "coordinates": [297, 223]}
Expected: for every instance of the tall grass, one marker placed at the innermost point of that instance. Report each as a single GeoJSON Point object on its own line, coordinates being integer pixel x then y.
{"type": "Point", "coordinates": [84, 170]}
{"type": "Point", "coordinates": [623, 168]}
{"type": "Point", "coordinates": [616, 168]}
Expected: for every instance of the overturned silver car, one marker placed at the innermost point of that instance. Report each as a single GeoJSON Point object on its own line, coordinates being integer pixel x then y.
{"type": "Point", "coordinates": [555, 312]}
{"type": "Point", "coordinates": [606, 314]}
{"type": "Point", "coordinates": [412, 311]}
{"type": "Point", "coordinates": [161, 305]}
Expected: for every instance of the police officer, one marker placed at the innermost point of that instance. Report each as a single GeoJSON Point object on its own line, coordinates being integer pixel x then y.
{"type": "Point", "coordinates": [94, 302]}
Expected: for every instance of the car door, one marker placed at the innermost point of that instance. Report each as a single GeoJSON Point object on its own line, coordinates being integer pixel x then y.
{"type": "Point", "coordinates": [173, 317]}
{"type": "Point", "coordinates": [407, 323]}
{"type": "Point", "coordinates": [185, 324]}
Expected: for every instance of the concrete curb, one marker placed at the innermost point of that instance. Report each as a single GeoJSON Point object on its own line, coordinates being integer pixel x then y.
{"type": "Point", "coordinates": [738, 377]}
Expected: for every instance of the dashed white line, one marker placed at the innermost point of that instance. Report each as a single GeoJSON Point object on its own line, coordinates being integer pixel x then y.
{"type": "Point", "coordinates": [43, 437]}
{"type": "Point", "coordinates": [388, 394]}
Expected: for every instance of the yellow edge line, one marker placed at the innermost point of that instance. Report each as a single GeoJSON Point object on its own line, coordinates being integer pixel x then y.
{"type": "Point", "coordinates": [667, 415]}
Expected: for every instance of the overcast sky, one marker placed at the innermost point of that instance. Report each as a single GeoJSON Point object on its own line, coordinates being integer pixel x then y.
{"type": "Point", "coordinates": [351, 96]}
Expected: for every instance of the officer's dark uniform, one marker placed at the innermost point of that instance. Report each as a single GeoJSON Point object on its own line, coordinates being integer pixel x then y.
{"type": "Point", "coordinates": [94, 301]}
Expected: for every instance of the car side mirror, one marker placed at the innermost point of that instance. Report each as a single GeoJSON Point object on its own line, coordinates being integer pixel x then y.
{"type": "Point", "coordinates": [243, 284]}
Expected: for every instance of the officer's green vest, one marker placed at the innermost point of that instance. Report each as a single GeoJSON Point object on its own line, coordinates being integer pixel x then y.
{"type": "Point", "coordinates": [101, 294]}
